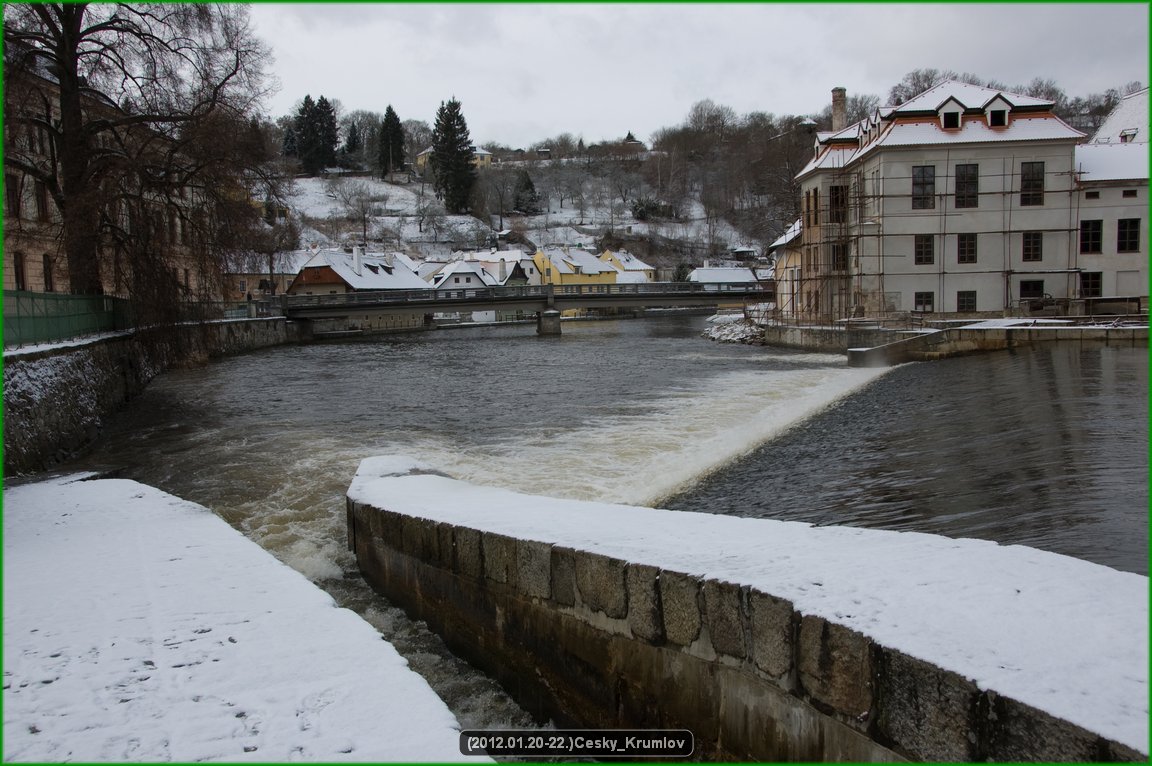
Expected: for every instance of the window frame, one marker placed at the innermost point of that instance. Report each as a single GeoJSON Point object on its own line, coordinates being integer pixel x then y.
{"type": "Point", "coordinates": [919, 303]}
{"type": "Point", "coordinates": [1091, 284]}
{"type": "Point", "coordinates": [1031, 184]}
{"type": "Point", "coordinates": [1031, 283]}
{"type": "Point", "coordinates": [1092, 236]}
{"type": "Point", "coordinates": [923, 249]}
{"type": "Point", "coordinates": [923, 187]}
{"type": "Point", "coordinates": [967, 191]}
{"type": "Point", "coordinates": [963, 297]}
{"type": "Point", "coordinates": [1031, 246]}
{"type": "Point", "coordinates": [966, 248]}
{"type": "Point", "coordinates": [1128, 237]}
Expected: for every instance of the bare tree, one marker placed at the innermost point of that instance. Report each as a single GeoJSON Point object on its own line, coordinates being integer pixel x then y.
{"type": "Point", "coordinates": [134, 102]}
{"type": "Point", "coordinates": [358, 202]}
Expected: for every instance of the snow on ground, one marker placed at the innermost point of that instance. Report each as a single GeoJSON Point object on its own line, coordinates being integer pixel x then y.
{"type": "Point", "coordinates": [141, 627]}
{"type": "Point", "coordinates": [87, 340]}
{"type": "Point", "coordinates": [1060, 634]}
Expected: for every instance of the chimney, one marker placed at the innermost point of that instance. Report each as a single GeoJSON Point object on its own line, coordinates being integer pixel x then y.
{"type": "Point", "coordinates": [358, 260]}
{"type": "Point", "coordinates": [503, 271]}
{"type": "Point", "coordinates": [389, 259]}
{"type": "Point", "coordinates": [839, 109]}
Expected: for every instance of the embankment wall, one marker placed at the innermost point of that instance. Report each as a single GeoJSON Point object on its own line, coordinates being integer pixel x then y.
{"type": "Point", "coordinates": [591, 640]}
{"type": "Point", "coordinates": [56, 400]}
{"type": "Point", "coordinates": [957, 342]}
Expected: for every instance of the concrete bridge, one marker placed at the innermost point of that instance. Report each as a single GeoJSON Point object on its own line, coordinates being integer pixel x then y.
{"type": "Point", "coordinates": [547, 301]}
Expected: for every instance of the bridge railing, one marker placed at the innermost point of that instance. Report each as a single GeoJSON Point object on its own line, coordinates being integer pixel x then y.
{"type": "Point", "coordinates": [521, 292]}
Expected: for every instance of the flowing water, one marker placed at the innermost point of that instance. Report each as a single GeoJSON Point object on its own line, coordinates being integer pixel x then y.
{"type": "Point", "coordinates": [1045, 448]}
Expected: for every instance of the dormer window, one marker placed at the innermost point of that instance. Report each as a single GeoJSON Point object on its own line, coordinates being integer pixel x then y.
{"type": "Point", "coordinates": [1127, 136]}
{"type": "Point", "coordinates": [951, 120]}
{"type": "Point", "coordinates": [998, 118]}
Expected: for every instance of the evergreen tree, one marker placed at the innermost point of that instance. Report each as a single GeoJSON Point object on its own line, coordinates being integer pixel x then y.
{"type": "Point", "coordinates": [353, 144]}
{"type": "Point", "coordinates": [526, 200]}
{"type": "Point", "coordinates": [452, 153]}
{"type": "Point", "coordinates": [307, 137]}
{"type": "Point", "coordinates": [289, 147]}
{"type": "Point", "coordinates": [328, 133]}
{"type": "Point", "coordinates": [391, 143]}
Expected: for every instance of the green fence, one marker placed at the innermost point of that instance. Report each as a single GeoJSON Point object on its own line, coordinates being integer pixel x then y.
{"type": "Point", "coordinates": [46, 317]}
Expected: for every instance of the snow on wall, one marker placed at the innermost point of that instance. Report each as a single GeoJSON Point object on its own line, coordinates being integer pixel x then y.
{"type": "Point", "coordinates": [1057, 634]}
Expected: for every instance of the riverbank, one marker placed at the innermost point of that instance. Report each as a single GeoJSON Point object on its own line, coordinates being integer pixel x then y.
{"type": "Point", "coordinates": [141, 627]}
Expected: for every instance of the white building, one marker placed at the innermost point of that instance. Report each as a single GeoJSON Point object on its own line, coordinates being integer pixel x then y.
{"type": "Point", "coordinates": [963, 199]}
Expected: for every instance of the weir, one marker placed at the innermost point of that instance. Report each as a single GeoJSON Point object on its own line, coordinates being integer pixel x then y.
{"type": "Point", "coordinates": [619, 617]}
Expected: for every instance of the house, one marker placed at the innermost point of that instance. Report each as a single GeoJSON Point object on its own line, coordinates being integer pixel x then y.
{"type": "Point", "coordinates": [262, 276]}
{"type": "Point", "coordinates": [335, 272]}
{"type": "Point", "coordinates": [461, 275]}
{"type": "Point", "coordinates": [510, 267]}
{"type": "Point", "coordinates": [1112, 177]}
{"type": "Point", "coordinates": [631, 268]}
{"type": "Point", "coordinates": [481, 158]}
{"type": "Point", "coordinates": [573, 266]}
{"type": "Point", "coordinates": [960, 200]}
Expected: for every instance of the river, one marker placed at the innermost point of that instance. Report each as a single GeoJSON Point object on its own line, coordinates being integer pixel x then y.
{"type": "Point", "coordinates": [1044, 448]}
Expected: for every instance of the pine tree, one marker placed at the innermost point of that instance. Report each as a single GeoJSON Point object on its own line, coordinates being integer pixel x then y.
{"type": "Point", "coordinates": [307, 140]}
{"type": "Point", "coordinates": [452, 153]}
{"type": "Point", "coordinates": [353, 144]}
{"type": "Point", "coordinates": [289, 147]}
{"type": "Point", "coordinates": [391, 143]}
{"type": "Point", "coordinates": [327, 132]}
{"type": "Point", "coordinates": [526, 200]}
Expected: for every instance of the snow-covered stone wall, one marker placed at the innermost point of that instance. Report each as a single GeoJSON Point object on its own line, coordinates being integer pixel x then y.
{"type": "Point", "coordinates": [57, 397]}
{"type": "Point", "coordinates": [770, 641]}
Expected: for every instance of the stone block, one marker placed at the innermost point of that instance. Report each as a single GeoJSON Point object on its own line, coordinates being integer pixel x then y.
{"type": "Point", "coordinates": [924, 712]}
{"type": "Point", "coordinates": [773, 643]}
{"type": "Point", "coordinates": [1019, 732]}
{"type": "Point", "coordinates": [644, 616]}
{"type": "Point", "coordinates": [564, 576]}
{"type": "Point", "coordinates": [499, 557]}
{"type": "Point", "coordinates": [722, 607]}
{"type": "Point", "coordinates": [418, 537]}
{"type": "Point", "coordinates": [680, 604]}
{"type": "Point", "coordinates": [534, 568]}
{"type": "Point", "coordinates": [445, 552]}
{"type": "Point", "coordinates": [835, 668]}
{"type": "Point", "coordinates": [469, 560]}
{"type": "Point", "coordinates": [388, 528]}
{"type": "Point", "coordinates": [600, 580]}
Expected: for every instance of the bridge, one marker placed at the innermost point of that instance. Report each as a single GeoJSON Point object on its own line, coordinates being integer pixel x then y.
{"type": "Point", "coordinates": [547, 301]}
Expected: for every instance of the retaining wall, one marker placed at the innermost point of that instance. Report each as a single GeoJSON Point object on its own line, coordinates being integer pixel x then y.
{"type": "Point", "coordinates": [57, 399]}
{"type": "Point", "coordinates": [957, 342]}
{"type": "Point", "coordinates": [591, 640]}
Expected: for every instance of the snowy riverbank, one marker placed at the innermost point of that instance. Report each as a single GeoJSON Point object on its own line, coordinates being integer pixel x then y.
{"type": "Point", "coordinates": [141, 627]}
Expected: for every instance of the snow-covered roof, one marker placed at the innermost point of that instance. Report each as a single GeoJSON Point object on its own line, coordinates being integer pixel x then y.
{"type": "Point", "coordinates": [577, 261]}
{"type": "Point", "coordinates": [968, 95]}
{"type": "Point", "coordinates": [792, 233]}
{"type": "Point", "coordinates": [627, 261]}
{"type": "Point", "coordinates": [462, 268]}
{"type": "Point", "coordinates": [1129, 119]}
{"type": "Point", "coordinates": [1112, 162]}
{"type": "Point", "coordinates": [376, 271]}
{"type": "Point", "coordinates": [722, 274]}
{"type": "Point", "coordinates": [1021, 128]}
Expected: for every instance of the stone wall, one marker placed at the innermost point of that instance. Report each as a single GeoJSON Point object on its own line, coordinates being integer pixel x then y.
{"type": "Point", "coordinates": [589, 640]}
{"type": "Point", "coordinates": [57, 399]}
{"type": "Point", "coordinates": [957, 342]}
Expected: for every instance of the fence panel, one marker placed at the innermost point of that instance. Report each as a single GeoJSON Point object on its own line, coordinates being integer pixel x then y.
{"type": "Point", "coordinates": [47, 317]}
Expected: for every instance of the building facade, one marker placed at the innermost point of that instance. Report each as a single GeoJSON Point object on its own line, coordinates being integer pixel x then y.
{"type": "Point", "coordinates": [963, 200]}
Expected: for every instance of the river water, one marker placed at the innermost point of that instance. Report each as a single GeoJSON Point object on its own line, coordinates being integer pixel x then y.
{"type": "Point", "coordinates": [1046, 448]}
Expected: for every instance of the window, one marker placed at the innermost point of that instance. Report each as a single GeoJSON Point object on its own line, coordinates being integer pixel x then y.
{"type": "Point", "coordinates": [923, 187]}
{"type": "Point", "coordinates": [924, 250]}
{"type": "Point", "coordinates": [837, 204]}
{"type": "Point", "coordinates": [951, 120]}
{"type": "Point", "coordinates": [1032, 288]}
{"type": "Point", "coordinates": [998, 118]}
{"type": "Point", "coordinates": [49, 277]}
{"type": "Point", "coordinates": [1033, 248]}
{"type": "Point", "coordinates": [1092, 195]}
{"type": "Point", "coordinates": [1091, 236]}
{"type": "Point", "coordinates": [12, 194]}
{"type": "Point", "coordinates": [808, 208]}
{"type": "Point", "coordinates": [456, 280]}
{"type": "Point", "coordinates": [1031, 183]}
{"type": "Point", "coordinates": [966, 300]}
{"type": "Point", "coordinates": [967, 185]}
{"type": "Point", "coordinates": [41, 202]}
{"type": "Point", "coordinates": [839, 256]}
{"type": "Point", "coordinates": [924, 301]}
{"type": "Point", "coordinates": [243, 285]}
{"type": "Point", "coordinates": [1128, 235]}
{"type": "Point", "coordinates": [18, 271]}
{"type": "Point", "coordinates": [1129, 193]}
{"type": "Point", "coordinates": [815, 207]}
{"type": "Point", "coordinates": [965, 248]}
{"type": "Point", "coordinates": [1091, 284]}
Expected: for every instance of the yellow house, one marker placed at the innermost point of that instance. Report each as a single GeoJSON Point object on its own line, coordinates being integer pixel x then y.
{"type": "Point", "coordinates": [481, 158]}
{"type": "Point", "coordinates": [631, 267]}
{"type": "Point", "coordinates": [562, 266]}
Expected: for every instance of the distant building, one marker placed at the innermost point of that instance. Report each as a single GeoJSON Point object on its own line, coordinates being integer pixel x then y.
{"type": "Point", "coordinates": [334, 272]}
{"type": "Point", "coordinates": [631, 268]}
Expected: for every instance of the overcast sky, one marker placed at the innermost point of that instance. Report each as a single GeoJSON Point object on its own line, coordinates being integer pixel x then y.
{"type": "Point", "coordinates": [527, 72]}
